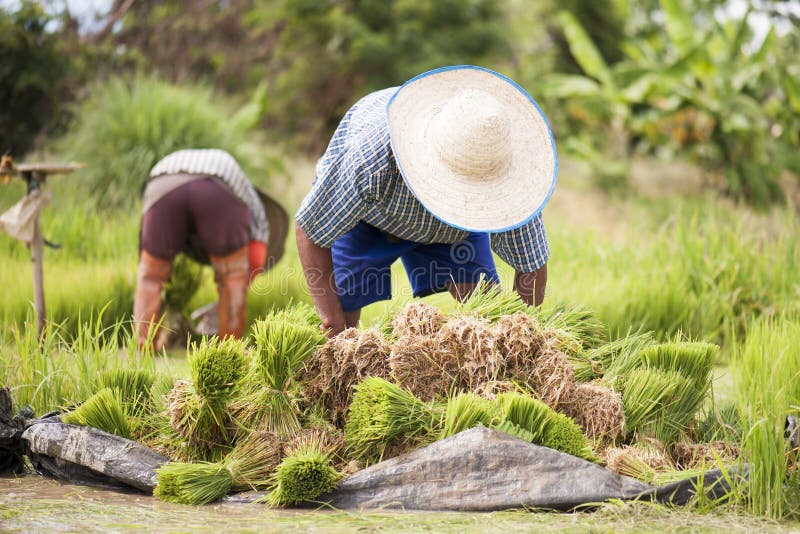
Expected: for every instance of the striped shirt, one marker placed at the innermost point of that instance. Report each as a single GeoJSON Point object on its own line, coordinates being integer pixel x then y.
{"type": "Point", "coordinates": [357, 179]}
{"type": "Point", "coordinates": [221, 165]}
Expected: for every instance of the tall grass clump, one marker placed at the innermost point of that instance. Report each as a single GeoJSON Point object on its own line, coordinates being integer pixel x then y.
{"type": "Point", "coordinates": [126, 126]}
{"type": "Point", "coordinates": [767, 374]}
{"type": "Point", "coordinates": [59, 369]}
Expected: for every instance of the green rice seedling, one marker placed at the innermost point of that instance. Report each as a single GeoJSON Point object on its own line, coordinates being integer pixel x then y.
{"type": "Point", "coordinates": [610, 358]}
{"type": "Point", "coordinates": [295, 312]}
{"type": "Point", "coordinates": [529, 413]}
{"type": "Point", "coordinates": [515, 430]}
{"type": "Point", "coordinates": [647, 394]}
{"type": "Point", "coordinates": [281, 348]}
{"type": "Point", "coordinates": [466, 410]}
{"type": "Point", "coordinates": [192, 483]}
{"type": "Point", "coordinates": [248, 466]}
{"type": "Point", "coordinates": [303, 476]}
{"type": "Point", "coordinates": [381, 413]}
{"type": "Point", "coordinates": [132, 386]}
{"type": "Point", "coordinates": [184, 281]}
{"type": "Point", "coordinates": [162, 384]}
{"type": "Point", "coordinates": [489, 301]}
{"type": "Point", "coordinates": [563, 434]}
{"type": "Point", "coordinates": [578, 321]}
{"type": "Point", "coordinates": [198, 410]}
{"type": "Point", "coordinates": [104, 411]}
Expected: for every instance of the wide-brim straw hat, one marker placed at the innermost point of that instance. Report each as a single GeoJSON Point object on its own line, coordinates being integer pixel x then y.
{"type": "Point", "coordinates": [473, 147]}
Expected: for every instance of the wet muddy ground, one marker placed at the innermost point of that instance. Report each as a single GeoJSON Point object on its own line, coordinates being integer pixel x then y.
{"type": "Point", "coordinates": [36, 504]}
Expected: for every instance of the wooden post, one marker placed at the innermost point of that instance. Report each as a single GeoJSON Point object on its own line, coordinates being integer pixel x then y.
{"type": "Point", "coordinates": [38, 276]}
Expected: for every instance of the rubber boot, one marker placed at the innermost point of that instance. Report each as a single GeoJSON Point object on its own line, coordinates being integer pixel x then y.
{"type": "Point", "coordinates": [152, 274]}
{"type": "Point", "coordinates": [232, 273]}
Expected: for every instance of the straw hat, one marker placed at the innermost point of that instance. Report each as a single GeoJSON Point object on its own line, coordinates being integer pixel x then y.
{"type": "Point", "coordinates": [473, 147]}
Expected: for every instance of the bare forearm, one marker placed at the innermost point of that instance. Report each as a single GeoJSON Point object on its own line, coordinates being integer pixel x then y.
{"type": "Point", "coordinates": [318, 268]}
{"type": "Point", "coordinates": [531, 286]}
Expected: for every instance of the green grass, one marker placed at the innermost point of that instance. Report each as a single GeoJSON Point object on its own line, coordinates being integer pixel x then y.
{"type": "Point", "coordinates": [767, 373]}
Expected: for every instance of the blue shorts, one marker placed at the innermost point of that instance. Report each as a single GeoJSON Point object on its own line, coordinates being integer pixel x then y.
{"type": "Point", "coordinates": [362, 260]}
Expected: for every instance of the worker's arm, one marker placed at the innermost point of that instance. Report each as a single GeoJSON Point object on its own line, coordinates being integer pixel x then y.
{"type": "Point", "coordinates": [530, 286]}
{"type": "Point", "coordinates": [317, 265]}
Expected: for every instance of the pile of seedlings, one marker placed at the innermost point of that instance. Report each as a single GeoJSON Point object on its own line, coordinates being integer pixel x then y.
{"type": "Point", "coordinates": [292, 412]}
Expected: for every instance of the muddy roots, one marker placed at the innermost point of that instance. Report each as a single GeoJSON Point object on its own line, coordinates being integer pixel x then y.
{"type": "Point", "coordinates": [597, 409]}
{"type": "Point", "coordinates": [519, 339]}
{"type": "Point", "coordinates": [345, 360]}
{"type": "Point", "coordinates": [417, 319]}
{"type": "Point", "coordinates": [697, 455]}
{"type": "Point", "coordinates": [470, 342]}
{"type": "Point", "coordinates": [419, 366]}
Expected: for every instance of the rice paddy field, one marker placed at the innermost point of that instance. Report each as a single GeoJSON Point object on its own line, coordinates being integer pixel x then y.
{"type": "Point", "coordinates": [664, 266]}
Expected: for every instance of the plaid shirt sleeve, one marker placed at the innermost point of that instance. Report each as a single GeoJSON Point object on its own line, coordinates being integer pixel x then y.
{"type": "Point", "coordinates": [333, 206]}
{"type": "Point", "coordinates": [524, 248]}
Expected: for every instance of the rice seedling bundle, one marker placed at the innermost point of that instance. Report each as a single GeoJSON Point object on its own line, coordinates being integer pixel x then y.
{"type": "Point", "coordinates": [563, 434]}
{"type": "Point", "coordinates": [469, 342]}
{"type": "Point", "coordinates": [723, 424]}
{"type": "Point", "coordinates": [300, 313]}
{"type": "Point", "coordinates": [131, 385]}
{"type": "Point", "coordinates": [612, 358]}
{"type": "Point", "coordinates": [598, 410]}
{"type": "Point", "coordinates": [649, 397]}
{"type": "Point", "coordinates": [641, 462]}
{"type": "Point", "coordinates": [303, 476]}
{"type": "Point", "coordinates": [488, 301]}
{"type": "Point", "coordinates": [102, 410]}
{"type": "Point", "coordinates": [688, 455]}
{"type": "Point", "coordinates": [552, 376]}
{"type": "Point", "coordinates": [465, 411]}
{"type": "Point", "coordinates": [332, 371]}
{"type": "Point", "coordinates": [198, 410]}
{"type": "Point", "coordinates": [418, 365]}
{"type": "Point", "coordinates": [248, 466]}
{"type": "Point", "coordinates": [534, 421]}
{"type": "Point", "coordinates": [519, 339]}
{"type": "Point", "coordinates": [578, 322]}
{"type": "Point", "coordinates": [382, 413]}
{"type": "Point", "coordinates": [417, 319]}
{"type": "Point", "coordinates": [281, 349]}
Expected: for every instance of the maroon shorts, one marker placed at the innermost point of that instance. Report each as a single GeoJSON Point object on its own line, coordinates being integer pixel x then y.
{"type": "Point", "coordinates": [201, 211]}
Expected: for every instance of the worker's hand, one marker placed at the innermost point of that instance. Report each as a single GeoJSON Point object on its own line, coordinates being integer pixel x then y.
{"type": "Point", "coordinates": [530, 286]}
{"type": "Point", "coordinates": [318, 267]}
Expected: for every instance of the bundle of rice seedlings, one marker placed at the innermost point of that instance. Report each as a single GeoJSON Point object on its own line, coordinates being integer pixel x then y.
{"type": "Point", "coordinates": [132, 386]}
{"type": "Point", "coordinates": [303, 476]}
{"type": "Point", "coordinates": [417, 319]}
{"type": "Point", "coordinates": [470, 342]}
{"type": "Point", "coordinates": [162, 385]}
{"type": "Point", "coordinates": [598, 410]}
{"type": "Point", "coordinates": [488, 301]}
{"type": "Point", "coordinates": [382, 413]}
{"type": "Point", "coordinates": [198, 410]}
{"type": "Point", "coordinates": [248, 466]}
{"type": "Point", "coordinates": [648, 396]}
{"type": "Point", "coordinates": [104, 411]}
{"type": "Point", "coordinates": [519, 339]}
{"type": "Point", "coordinates": [300, 313]}
{"type": "Point", "coordinates": [467, 410]}
{"type": "Point", "coordinates": [641, 462]}
{"type": "Point", "coordinates": [563, 434]}
{"type": "Point", "coordinates": [578, 322]}
{"type": "Point", "coordinates": [492, 389]}
{"type": "Point", "coordinates": [281, 349]}
{"type": "Point", "coordinates": [330, 374]}
{"type": "Point", "coordinates": [612, 358]}
{"type": "Point", "coordinates": [698, 455]}
{"type": "Point", "coordinates": [418, 365]}
{"type": "Point", "coordinates": [532, 420]}
{"type": "Point", "coordinates": [551, 376]}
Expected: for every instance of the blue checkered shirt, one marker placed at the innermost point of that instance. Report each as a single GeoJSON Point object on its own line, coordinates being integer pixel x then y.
{"type": "Point", "coordinates": [357, 179]}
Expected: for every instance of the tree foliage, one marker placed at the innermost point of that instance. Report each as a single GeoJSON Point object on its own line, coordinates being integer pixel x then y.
{"type": "Point", "coordinates": [33, 68]}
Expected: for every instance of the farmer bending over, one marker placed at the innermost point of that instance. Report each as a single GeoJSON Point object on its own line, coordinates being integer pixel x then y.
{"type": "Point", "coordinates": [456, 163]}
{"type": "Point", "coordinates": [200, 202]}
